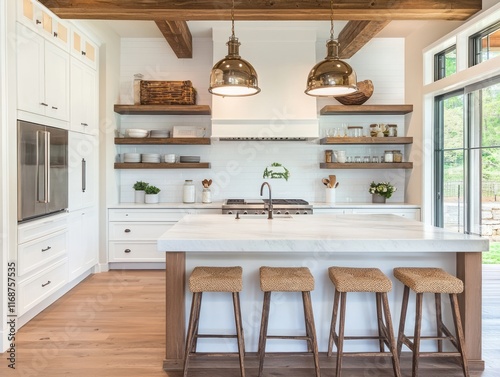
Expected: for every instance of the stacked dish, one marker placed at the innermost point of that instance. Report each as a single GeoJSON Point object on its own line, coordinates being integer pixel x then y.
{"type": "Point", "coordinates": [137, 132]}
{"type": "Point", "coordinates": [150, 158]}
{"type": "Point", "coordinates": [189, 159]}
{"type": "Point", "coordinates": [131, 157]}
{"type": "Point", "coordinates": [159, 133]}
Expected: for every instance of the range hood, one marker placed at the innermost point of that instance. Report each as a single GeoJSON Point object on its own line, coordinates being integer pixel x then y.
{"type": "Point", "coordinates": [282, 58]}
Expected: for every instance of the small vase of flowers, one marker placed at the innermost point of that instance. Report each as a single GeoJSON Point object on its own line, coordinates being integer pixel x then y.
{"type": "Point", "coordinates": [381, 191]}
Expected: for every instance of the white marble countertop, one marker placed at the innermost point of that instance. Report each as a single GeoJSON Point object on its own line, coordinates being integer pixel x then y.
{"type": "Point", "coordinates": [320, 233]}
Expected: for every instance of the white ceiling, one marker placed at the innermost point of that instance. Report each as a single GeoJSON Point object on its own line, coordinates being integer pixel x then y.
{"type": "Point", "coordinates": [201, 29]}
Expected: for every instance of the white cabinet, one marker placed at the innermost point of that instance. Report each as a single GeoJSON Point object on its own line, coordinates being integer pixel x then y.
{"type": "Point", "coordinates": [82, 170]}
{"type": "Point", "coordinates": [83, 48]}
{"type": "Point", "coordinates": [42, 76]}
{"type": "Point", "coordinates": [133, 233]}
{"type": "Point", "coordinates": [404, 210]}
{"type": "Point", "coordinates": [83, 244]}
{"type": "Point", "coordinates": [42, 260]}
{"type": "Point", "coordinates": [84, 117]}
{"type": "Point", "coordinates": [39, 19]}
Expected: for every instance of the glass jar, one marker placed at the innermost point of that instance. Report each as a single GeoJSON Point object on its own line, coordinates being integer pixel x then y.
{"type": "Point", "coordinates": [188, 192]}
{"type": "Point", "coordinates": [374, 130]}
{"type": "Point", "coordinates": [388, 156]}
{"type": "Point", "coordinates": [137, 88]}
{"type": "Point", "coordinates": [397, 156]}
{"type": "Point", "coordinates": [354, 131]}
{"type": "Point", "coordinates": [393, 130]}
{"type": "Point", "coordinates": [206, 195]}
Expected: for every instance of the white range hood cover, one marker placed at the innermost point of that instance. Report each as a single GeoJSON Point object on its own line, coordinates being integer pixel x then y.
{"type": "Point", "coordinates": [282, 58]}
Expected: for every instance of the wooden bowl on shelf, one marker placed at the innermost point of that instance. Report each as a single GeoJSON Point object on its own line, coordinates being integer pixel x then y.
{"type": "Point", "coordinates": [364, 92]}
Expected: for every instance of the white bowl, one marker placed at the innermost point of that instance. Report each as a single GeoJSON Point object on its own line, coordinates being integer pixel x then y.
{"type": "Point", "coordinates": [137, 132]}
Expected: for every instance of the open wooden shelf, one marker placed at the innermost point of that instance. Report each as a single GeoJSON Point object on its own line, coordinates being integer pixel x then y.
{"type": "Point", "coordinates": [367, 165]}
{"type": "Point", "coordinates": [366, 140]}
{"type": "Point", "coordinates": [366, 109]}
{"type": "Point", "coordinates": [162, 165]}
{"type": "Point", "coordinates": [163, 109]}
{"type": "Point", "coordinates": [162, 141]}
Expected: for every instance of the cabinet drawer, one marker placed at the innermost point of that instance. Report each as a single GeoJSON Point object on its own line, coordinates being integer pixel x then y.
{"type": "Point", "coordinates": [135, 252]}
{"type": "Point", "coordinates": [34, 290]}
{"type": "Point", "coordinates": [147, 214]}
{"type": "Point", "coordinates": [34, 254]}
{"type": "Point", "coordinates": [137, 231]}
{"type": "Point", "coordinates": [39, 228]}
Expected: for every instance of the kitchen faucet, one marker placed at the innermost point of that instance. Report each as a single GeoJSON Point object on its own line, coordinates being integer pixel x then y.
{"type": "Point", "coordinates": [270, 204]}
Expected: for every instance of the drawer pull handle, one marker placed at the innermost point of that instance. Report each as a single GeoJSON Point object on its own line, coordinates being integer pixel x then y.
{"type": "Point", "coordinates": [127, 250]}
{"type": "Point", "coordinates": [47, 283]}
{"type": "Point", "coordinates": [127, 230]}
{"type": "Point", "coordinates": [47, 248]}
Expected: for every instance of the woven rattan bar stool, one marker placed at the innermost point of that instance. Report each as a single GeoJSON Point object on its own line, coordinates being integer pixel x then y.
{"type": "Point", "coordinates": [431, 280]}
{"type": "Point", "coordinates": [288, 279]}
{"type": "Point", "coordinates": [214, 279]}
{"type": "Point", "coordinates": [347, 279]}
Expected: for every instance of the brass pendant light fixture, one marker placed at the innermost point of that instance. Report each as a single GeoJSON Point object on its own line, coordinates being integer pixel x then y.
{"type": "Point", "coordinates": [233, 76]}
{"type": "Point", "coordinates": [331, 77]}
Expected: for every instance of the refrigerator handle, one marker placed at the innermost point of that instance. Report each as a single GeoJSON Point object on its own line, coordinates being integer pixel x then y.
{"type": "Point", "coordinates": [84, 175]}
{"type": "Point", "coordinates": [44, 198]}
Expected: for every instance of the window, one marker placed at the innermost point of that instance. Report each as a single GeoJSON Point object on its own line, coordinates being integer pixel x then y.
{"type": "Point", "coordinates": [445, 63]}
{"type": "Point", "coordinates": [485, 45]}
{"type": "Point", "coordinates": [467, 158]}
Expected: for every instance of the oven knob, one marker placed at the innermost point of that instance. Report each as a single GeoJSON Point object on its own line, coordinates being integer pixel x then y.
{"type": "Point", "coordinates": [263, 213]}
{"type": "Point", "coordinates": [229, 212]}
{"type": "Point", "coordinates": [256, 213]}
{"type": "Point", "coordinates": [287, 213]}
{"type": "Point", "coordinates": [297, 213]}
{"type": "Point", "coordinates": [245, 212]}
{"type": "Point", "coordinates": [278, 212]}
{"type": "Point", "coordinates": [305, 212]}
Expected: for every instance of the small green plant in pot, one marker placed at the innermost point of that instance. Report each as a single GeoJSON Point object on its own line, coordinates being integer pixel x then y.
{"type": "Point", "coordinates": [139, 188]}
{"type": "Point", "coordinates": [152, 196]}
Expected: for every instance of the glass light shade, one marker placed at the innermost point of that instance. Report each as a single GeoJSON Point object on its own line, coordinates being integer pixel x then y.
{"type": "Point", "coordinates": [233, 76]}
{"type": "Point", "coordinates": [332, 76]}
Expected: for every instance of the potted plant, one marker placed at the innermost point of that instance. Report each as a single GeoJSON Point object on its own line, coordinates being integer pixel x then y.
{"type": "Point", "coordinates": [152, 196]}
{"type": "Point", "coordinates": [139, 188]}
{"type": "Point", "coordinates": [276, 171]}
{"type": "Point", "coordinates": [381, 191]}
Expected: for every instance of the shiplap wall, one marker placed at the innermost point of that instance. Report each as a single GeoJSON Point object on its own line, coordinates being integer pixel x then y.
{"type": "Point", "coordinates": [237, 167]}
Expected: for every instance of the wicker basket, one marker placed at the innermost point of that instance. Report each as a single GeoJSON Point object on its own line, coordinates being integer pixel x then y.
{"type": "Point", "coordinates": [364, 92]}
{"type": "Point", "coordinates": [167, 93]}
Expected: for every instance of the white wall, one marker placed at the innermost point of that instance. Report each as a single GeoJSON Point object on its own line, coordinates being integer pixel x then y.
{"type": "Point", "coordinates": [237, 167]}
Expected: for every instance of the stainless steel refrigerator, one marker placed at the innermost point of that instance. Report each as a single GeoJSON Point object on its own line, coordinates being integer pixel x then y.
{"type": "Point", "coordinates": [42, 177]}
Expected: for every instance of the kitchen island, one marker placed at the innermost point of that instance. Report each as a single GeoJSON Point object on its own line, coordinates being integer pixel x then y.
{"type": "Point", "coordinates": [319, 241]}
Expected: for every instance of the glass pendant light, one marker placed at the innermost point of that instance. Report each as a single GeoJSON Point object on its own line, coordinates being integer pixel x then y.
{"type": "Point", "coordinates": [233, 76]}
{"type": "Point", "coordinates": [331, 77]}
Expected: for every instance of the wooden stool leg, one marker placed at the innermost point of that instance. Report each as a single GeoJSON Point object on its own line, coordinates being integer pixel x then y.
{"type": "Point", "coordinates": [333, 325]}
{"type": "Point", "coordinates": [263, 330]}
{"type": "Point", "coordinates": [390, 335]}
{"type": "Point", "coordinates": [340, 345]}
{"type": "Point", "coordinates": [378, 299]}
{"type": "Point", "coordinates": [402, 319]}
{"type": "Point", "coordinates": [196, 322]}
{"type": "Point", "coordinates": [308, 328]}
{"type": "Point", "coordinates": [460, 333]}
{"type": "Point", "coordinates": [192, 328]}
{"type": "Point", "coordinates": [239, 331]}
{"type": "Point", "coordinates": [306, 298]}
{"type": "Point", "coordinates": [416, 338]}
{"type": "Point", "coordinates": [439, 321]}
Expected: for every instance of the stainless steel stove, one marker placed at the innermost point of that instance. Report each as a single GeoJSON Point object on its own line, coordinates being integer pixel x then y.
{"type": "Point", "coordinates": [258, 207]}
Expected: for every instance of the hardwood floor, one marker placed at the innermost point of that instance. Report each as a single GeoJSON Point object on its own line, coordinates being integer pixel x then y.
{"type": "Point", "coordinates": [113, 325]}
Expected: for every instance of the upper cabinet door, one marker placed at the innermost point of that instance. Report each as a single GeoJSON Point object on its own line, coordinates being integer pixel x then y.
{"type": "Point", "coordinates": [56, 82]}
{"type": "Point", "coordinates": [84, 97]}
{"type": "Point", "coordinates": [82, 48]}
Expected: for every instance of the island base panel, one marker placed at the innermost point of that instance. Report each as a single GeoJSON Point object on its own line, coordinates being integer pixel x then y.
{"type": "Point", "coordinates": [175, 277]}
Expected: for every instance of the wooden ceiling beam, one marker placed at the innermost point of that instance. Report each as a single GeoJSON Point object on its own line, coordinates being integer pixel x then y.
{"type": "Point", "coordinates": [278, 10]}
{"type": "Point", "coordinates": [178, 37]}
{"type": "Point", "coordinates": [356, 34]}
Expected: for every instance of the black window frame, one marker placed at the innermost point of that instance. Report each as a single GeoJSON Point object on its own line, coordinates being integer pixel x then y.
{"type": "Point", "coordinates": [440, 62]}
{"type": "Point", "coordinates": [475, 45]}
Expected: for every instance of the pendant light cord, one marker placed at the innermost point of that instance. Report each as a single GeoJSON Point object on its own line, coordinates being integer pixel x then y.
{"type": "Point", "coordinates": [232, 20]}
{"type": "Point", "coordinates": [331, 19]}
